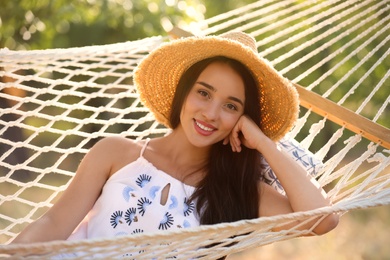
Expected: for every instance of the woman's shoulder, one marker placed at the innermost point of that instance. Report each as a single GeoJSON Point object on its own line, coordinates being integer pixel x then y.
{"type": "Point", "coordinates": [119, 150]}
{"type": "Point", "coordinates": [114, 141]}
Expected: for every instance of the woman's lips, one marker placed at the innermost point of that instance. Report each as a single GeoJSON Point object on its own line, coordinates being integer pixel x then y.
{"type": "Point", "coordinates": [203, 128]}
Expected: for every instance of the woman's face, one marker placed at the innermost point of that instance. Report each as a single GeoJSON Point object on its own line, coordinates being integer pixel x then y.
{"type": "Point", "coordinates": [213, 105]}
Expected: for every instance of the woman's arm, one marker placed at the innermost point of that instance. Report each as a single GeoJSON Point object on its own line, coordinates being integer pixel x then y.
{"type": "Point", "coordinates": [303, 192]}
{"type": "Point", "coordinates": [61, 219]}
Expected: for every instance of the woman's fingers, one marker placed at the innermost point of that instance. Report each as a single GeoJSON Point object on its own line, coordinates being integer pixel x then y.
{"type": "Point", "coordinates": [235, 141]}
{"type": "Point", "coordinates": [246, 132]}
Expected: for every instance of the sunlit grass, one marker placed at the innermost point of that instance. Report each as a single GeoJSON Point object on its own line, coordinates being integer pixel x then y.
{"type": "Point", "coordinates": [361, 234]}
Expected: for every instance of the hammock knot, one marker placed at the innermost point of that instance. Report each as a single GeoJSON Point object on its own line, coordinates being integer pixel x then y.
{"type": "Point", "coordinates": [378, 157]}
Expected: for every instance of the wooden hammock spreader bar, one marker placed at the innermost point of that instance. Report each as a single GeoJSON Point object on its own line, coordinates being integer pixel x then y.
{"type": "Point", "coordinates": [327, 108]}
{"type": "Point", "coordinates": [344, 117]}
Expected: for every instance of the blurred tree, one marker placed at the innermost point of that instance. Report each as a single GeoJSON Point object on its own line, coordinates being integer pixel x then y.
{"type": "Point", "coordinates": [41, 24]}
{"type": "Point", "coordinates": [213, 9]}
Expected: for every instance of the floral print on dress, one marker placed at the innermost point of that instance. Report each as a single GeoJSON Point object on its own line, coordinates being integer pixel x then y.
{"type": "Point", "coordinates": [142, 204]}
{"type": "Point", "coordinates": [188, 207]}
{"type": "Point", "coordinates": [131, 216]}
{"type": "Point", "coordinates": [127, 193]}
{"type": "Point", "coordinates": [174, 203]}
{"type": "Point", "coordinates": [153, 191]}
{"type": "Point", "coordinates": [142, 196]}
{"type": "Point", "coordinates": [137, 231]}
{"type": "Point", "coordinates": [166, 222]}
{"type": "Point", "coordinates": [143, 179]}
{"type": "Point", "coordinates": [186, 224]}
{"type": "Point", "coordinates": [116, 218]}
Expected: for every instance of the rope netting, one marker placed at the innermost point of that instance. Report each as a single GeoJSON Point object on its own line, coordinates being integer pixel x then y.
{"type": "Point", "coordinates": [55, 104]}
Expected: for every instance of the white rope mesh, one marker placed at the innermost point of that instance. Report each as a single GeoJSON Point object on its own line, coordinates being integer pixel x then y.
{"type": "Point", "coordinates": [55, 104]}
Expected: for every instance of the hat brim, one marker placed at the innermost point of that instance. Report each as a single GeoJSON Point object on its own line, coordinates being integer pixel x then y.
{"type": "Point", "coordinates": [158, 74]}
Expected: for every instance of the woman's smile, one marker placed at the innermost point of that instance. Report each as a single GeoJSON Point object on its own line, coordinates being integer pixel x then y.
{"type": "Point", "coordinates": [204, 128]}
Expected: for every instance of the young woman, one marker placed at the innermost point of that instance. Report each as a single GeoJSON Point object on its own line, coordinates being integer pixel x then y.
{"type": "Point", "coordinates": [226, 107]}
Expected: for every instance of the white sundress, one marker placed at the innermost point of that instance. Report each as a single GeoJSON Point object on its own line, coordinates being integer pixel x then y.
{"type": "Point", "coordinates": [130, 203]}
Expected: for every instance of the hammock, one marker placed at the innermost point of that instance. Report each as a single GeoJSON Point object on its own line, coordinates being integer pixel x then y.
{"type": "Point", "coordinates": [55, 104]}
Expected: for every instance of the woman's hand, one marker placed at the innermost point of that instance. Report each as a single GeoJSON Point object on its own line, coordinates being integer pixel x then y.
{"type": "Point", "coordinates": [246, 133]}
{"type": "Point", "coordinates": [303, 192]}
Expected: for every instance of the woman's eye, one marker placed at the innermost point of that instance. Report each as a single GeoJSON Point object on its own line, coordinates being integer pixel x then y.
{"type": "Point", "coordinates": [231, 107]}
{"type": "Point", "coordinates": [203, 93]}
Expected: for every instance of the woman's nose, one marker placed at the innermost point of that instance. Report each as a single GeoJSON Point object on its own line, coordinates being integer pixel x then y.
{"type": "Point", "coordinates": [211, 112]}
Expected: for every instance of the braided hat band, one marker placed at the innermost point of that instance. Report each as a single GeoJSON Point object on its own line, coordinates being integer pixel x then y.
{"type": "Point", "coordinates": [158, 74]}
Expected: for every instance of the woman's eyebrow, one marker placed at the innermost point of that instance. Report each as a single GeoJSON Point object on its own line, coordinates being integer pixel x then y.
{"type": "Point", "coordinates": [206, 85]}
{"type": "Point", "coordinates": [214, 90]}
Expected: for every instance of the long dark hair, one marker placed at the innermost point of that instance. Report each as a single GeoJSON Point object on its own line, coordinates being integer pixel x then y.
{"type": "Point", "coordinates": [229, 190]}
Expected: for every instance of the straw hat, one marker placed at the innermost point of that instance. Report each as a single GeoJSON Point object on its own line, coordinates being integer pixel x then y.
{"type": "Point", "coordinates": [158, 74]}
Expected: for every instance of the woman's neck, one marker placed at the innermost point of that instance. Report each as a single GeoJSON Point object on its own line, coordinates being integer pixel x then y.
{"type": "Point", "coordinates": [177, 156]}
{"type": "Point", "coordinates": [182, 150]}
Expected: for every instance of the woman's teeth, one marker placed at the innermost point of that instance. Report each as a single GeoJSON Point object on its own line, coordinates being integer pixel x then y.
{"type": "Point", "coordinates": [204, 127]}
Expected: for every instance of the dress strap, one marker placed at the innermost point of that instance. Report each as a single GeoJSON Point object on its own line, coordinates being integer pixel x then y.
{"type": "Point", "coordinates": [144, 147]}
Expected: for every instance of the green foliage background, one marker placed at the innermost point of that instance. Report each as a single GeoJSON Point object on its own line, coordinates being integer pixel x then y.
{"type": "Point", "coordinates": [43, 24]}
